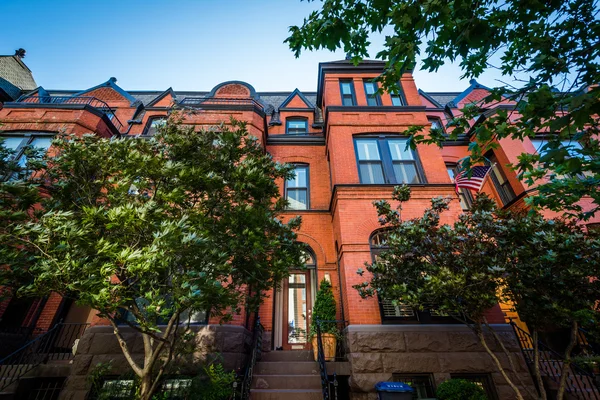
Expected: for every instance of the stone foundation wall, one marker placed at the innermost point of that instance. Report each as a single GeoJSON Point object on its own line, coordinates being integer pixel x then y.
{"type": "Point", "coordinates": [225, 343]}
{"type": "Point", "coordinates": [378, 351]}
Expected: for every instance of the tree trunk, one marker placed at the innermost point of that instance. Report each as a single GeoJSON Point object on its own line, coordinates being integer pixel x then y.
{"type": "Point", "coordinates": [146, 385]}
{"type": "Point", "coordinates": [567, 362]}
{"type": "Point", "coordinates": [536, 366]}
{"type": "Point", "coordinates": [510, 359]}
{"type": "Point", "coordinates": [479, 333]}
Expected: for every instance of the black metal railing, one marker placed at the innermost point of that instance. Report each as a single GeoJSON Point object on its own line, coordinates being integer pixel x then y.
{"type": "Point", "coordinates": [255, 355]}
{"type": "Point", "coordinates": [329, 386]}
{"type": "Point", "coordinates": [580, 384]}
{"type": "Point", "coordinates": [58, 343]}
{"type": "Point", "coordinates": [75, 100]}
{"type": "Point", "coordinates": [218, 103]}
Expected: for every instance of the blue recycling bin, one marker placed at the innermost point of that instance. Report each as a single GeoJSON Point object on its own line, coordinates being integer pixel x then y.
{"type": "Point", "coordinates": [394, 391]}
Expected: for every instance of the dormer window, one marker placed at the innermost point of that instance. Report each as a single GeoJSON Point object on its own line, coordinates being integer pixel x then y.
{"type": "Point", "coordinates": [347, 91]}
{"type": "Point", "coordinates": [296, 126]}
{"type": "Point", "coordinates": [155, 124]}
{"type": "Point", "coordinates": [373, 98]}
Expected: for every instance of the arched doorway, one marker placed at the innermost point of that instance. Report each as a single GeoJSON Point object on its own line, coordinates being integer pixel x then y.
{"type": "Point", "coordinates": [293, 305]}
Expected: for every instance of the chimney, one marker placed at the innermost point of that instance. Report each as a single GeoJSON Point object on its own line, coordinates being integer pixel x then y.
{"type": "Point", "coordinates": [20, 53]}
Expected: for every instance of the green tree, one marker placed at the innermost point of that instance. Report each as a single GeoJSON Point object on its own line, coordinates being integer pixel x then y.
{"type": "Point", "coordinates": [159, 228]}
{"type": "Point", "coordinates": [457, 268]}
{"type": "Point", "coordinates": [555, 44]}
{"type": "Point", "coordinates": [19, 195]}
{"type": "Point", "coordinates": [544, 267]}
{"type": "Point", "coordinates": [549, 265]}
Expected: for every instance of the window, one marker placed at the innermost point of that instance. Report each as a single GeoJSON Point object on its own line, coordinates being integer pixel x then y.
{"type": "Point", "coordinates": [296, 189]}
{"type": "Point", "coordinates": [296, 126]}
{"type": "Point", "coordinates": [464, 195]}
{"type": "Point", "coordinates": [573, 148]}
{"type": "Point", "coordinates": [398, 97]}
{"type": "Point", "coordinates": [386, 160]}
{"type": "Point", "coordinates": [422, 384]}
{"type": "Point", "coordinates": [19, 144]}
{"type": "Point", "coordinates": [378, 244]}
{"type": "Point", "coordinates": [371, 88]}
{"type": "Point", "coordinates": [482, 380]}
{"type": "Point", "coordinates": [113, 388]}
{"type": "Point", "coordinates": [499, 180]}
{"type": "Point", "coordinates": [192, 317]}
{"type": "Point", "coordinates": [347, 90]}
{"type": "Point", "coordinates": [395, 312]}
{"type": "Point", "coordinates": [436, 123]}
{"type": "Point", "coordinates": [155, 124]}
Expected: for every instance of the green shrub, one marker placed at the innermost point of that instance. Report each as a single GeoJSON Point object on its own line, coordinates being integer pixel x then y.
{"type": "Point", "coordinates": [216, 385]}
{"type": "Point", "coordinates": [460, 389]}
{"type": "Point", "coordinates": [324, 310]}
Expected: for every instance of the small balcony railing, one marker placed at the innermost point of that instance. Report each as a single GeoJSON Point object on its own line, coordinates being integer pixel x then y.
{"type": "Point", "coordinates": [75, 100]}
{"type": "Point", "coordinates": [219, 102]}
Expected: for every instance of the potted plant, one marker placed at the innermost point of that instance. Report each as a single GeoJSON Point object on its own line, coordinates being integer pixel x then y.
{"type": "Point", "coordinates": [324, 312]}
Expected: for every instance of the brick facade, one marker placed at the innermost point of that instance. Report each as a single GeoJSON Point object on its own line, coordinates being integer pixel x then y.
{"type": "Point", "coordinates": [341, 218]}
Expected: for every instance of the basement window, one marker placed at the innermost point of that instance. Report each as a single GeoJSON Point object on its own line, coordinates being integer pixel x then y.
{"type": "Point", "coordinates": [422, 384]}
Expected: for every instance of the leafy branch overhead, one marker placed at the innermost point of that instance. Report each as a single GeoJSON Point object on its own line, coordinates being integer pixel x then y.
{"type": "Point", "coordinates": [555, 45]}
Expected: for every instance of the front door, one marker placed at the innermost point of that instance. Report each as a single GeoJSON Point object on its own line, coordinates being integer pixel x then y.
{"type": "Point", "coordinates": [297, 310]}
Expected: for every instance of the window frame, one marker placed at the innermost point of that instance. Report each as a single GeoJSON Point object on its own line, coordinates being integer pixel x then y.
{"type": "Point", "coordinates": [425, 316]}
{"type": "Point", "coordinates": [426, 378]}
{"type": "Point", "coordinates": [27, 138]}
{"type": "Point", "coordinates": [296, 119]}
{"type": "Point", "coordinates": [376, 97]}
{"type": "Point", "coordinates": [147, 130]}
{"type": "Point", "coordinates": [400, 96]}
{"type": "Point", "coordinates": [505, 191]}
{"type": "Point", "coordinates": [439, 121]}
{"type": "Point", "coordinates": [352, 90]}
{"type": "Point", "coordinates": [286, 187]}
{"type": "Point", "coordinates": [464, 195]}
{"type": "Point", "coordinates": [387, 163]}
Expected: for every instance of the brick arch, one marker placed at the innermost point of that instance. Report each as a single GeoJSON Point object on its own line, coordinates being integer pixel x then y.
{"type": "Point", "coordinates": [235, 89]}
{"type": "Point", "coordinates": [315, 246]}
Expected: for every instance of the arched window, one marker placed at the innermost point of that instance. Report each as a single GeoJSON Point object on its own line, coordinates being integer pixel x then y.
{"type": "Point", "coordinates": [308, 258]}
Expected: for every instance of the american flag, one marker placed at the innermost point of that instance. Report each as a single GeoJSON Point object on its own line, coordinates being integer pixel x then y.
{"type": "Point", "coordinates": [475, 182]}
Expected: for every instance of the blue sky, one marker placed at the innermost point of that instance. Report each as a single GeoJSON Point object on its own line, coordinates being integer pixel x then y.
{"type": "Point", "coordinates": [186, 44]}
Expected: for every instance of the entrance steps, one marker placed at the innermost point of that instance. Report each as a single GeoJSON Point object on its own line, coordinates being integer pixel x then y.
{"type": "Point", "coordinates": [286, 375]}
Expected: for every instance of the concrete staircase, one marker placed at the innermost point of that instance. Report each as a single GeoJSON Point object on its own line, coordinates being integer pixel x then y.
{"type": "Point", "coordinates": [286, 375]}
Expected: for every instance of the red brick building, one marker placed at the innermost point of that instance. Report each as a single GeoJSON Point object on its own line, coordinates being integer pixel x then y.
{"type": "Point", "coordinates": [348, 150]}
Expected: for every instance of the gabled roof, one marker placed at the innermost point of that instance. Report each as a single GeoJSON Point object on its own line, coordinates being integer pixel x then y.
{"type": "Point", "coordinates": [298, 93]}
{"type": "Point", "coordinates": [161, 96]}
{"type": "Point", "coordinates": [431, 99]}
{"type": "Point", "coordinates": [111, 83]}
{"type": "Point", "coordinates": [14, 71]}
{"type": "Point", "coordinates": [474, 85]}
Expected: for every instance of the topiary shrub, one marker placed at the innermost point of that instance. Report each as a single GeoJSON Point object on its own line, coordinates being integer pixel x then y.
{"type": "Point", "coordinates": [324, 310]}
{"type": "Point", "coordinates": [460, 389]}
